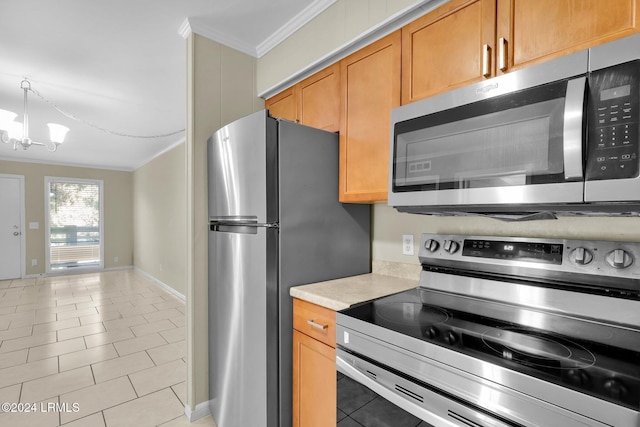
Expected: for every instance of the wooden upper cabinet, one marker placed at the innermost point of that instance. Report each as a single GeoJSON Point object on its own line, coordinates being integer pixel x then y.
{"type": "Point", "coordinates": [537, 30]}
{"type": "Point", "coordinates": [370, 87]}
{"type": "Point", "coordinates": [449, 47]}
{"type": "Point", "coordinates": [464, 41]}
{"type": "Point", "coordinates": [283, 105]}
{"type": "Point", "coordinates": [319, 99]}
{"type": "Point", "coordinates": [314, 102]}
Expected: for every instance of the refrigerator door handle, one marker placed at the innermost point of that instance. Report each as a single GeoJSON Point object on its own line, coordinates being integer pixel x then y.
{"type": "Point", "coordinates": [244, 227]}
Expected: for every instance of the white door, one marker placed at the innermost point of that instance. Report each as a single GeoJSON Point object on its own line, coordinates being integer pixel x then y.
{"type": "Point", "coordinates": [10, 228]}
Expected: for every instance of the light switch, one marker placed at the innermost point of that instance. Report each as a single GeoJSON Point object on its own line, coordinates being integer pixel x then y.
{"type": "Point", "coordinates": [34, 225]}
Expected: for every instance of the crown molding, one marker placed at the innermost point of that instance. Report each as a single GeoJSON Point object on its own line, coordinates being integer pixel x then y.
{"type": "Point", "coordinates": [195, 25]}
{"type": "Point", "coordinates": [293, 25]}
{"type": "Point", "coordinates": [185, 29]}
{"type": "Point", "coordinates": [67, 164]}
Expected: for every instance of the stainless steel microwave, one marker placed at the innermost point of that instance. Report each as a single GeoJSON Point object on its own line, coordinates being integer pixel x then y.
{"type": "Point", "coordinates": [561, 135]}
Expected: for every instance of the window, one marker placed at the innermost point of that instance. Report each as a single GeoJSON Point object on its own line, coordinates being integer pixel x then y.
{"type": "Point", "coordinates": [74, 224]}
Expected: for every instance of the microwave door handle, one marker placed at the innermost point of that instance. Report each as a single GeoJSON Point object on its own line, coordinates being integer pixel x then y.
{"type": "Point", "coordinates": [573, 128]}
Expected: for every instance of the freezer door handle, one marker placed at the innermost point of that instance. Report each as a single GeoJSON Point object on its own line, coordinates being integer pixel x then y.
{"type": "Point", "coordinates": [234, 219]}
{"type": "Point", "coordinates": [238, 229]}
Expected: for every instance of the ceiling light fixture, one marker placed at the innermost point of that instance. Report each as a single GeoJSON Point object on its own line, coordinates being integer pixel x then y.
{"type": "Point", "coordinates": [16, 133]}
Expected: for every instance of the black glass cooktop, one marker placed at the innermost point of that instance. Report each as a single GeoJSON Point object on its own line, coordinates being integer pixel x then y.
{"type": "Point", "coordinates": [592, 358]}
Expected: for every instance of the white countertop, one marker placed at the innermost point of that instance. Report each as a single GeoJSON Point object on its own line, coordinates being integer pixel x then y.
{"type": "Point", "coordinates": [342, 293]}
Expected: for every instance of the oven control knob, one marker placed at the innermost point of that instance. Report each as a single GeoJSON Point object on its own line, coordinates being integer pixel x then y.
{"type": "Point", "coordinates": [615, 388]}
{"type": "Point", "coordinates": [431, 245]}
{"type": "Point", "coordinates": [432, 332]}
{"type": "Point", "coordinates": [578, 377]}
{"type": "Point", "coordinates": [619, 258]}
{"type": "Point", "coordinates": [581, 256]}
{"type": "Point", "coordinates": [451, 246]}
{"type": "Point", "coordinates": [451, 338]}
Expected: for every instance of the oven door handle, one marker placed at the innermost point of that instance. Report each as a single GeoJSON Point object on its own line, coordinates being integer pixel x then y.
{"type": "Point", "coordinates": [455, 419]}
{"type": "Point", "coordinates": [573, 126]}
{"type": "Point", "coordinates": [346, 368]}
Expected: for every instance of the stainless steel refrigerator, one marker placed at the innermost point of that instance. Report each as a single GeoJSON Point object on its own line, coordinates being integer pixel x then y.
{"type": "Point", "coordinates": [275, 222]}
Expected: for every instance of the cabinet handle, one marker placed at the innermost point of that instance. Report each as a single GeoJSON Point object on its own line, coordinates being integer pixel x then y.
{"type": "Point", "coordinates": [486, 60]}
{"type": "Point", "coordinates": [502, 54]}
{"type": "Point", "coordinates": [317, 325]}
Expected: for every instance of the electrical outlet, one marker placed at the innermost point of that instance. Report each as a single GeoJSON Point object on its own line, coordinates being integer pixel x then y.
{"type": "Point", "coordinates": [407, 244]}
{"type": "Point", "coordinates": [34, 262]}
{"type": "Point", "coordinates": [115, 259]}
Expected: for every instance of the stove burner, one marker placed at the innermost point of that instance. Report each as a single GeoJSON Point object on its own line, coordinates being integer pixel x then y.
{"type": "Point", "coordinates": [411, 313]}
{"type": "Point", "coordinates": [529, 348]}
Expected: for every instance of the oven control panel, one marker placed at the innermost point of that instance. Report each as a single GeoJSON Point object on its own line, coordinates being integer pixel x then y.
{"type": "Point", "coordinates": [603, 263]}
{"type": "Point", "coordinates": [541, 252]}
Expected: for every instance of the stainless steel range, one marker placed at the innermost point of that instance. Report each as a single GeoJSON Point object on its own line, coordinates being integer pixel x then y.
{"type": "Point", "coordinates": [505, 332]}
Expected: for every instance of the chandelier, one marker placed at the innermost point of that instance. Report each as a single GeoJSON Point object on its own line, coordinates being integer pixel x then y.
{"type": "Point", "coordinates": [16, 133]}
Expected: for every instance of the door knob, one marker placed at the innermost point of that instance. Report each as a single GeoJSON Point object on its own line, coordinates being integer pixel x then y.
{"type": "Point", "coordinates": [16, 233]}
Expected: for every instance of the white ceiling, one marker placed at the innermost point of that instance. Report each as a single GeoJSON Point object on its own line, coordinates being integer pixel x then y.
{"type": "Point", "coordinates": [120, 65]}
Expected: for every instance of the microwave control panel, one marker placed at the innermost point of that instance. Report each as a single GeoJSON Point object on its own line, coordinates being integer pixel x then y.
{"type": "Point", "coordinates": [613, 108]}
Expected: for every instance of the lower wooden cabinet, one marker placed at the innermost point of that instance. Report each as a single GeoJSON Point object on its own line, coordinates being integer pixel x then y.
{"type": "Point", "coordinates": [314, 382]}
{"type": "Point", "coordinates": [314, 368]}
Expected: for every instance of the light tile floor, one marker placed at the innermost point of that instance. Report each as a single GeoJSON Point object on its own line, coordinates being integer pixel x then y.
{"type": "Point", "coordinates": [100, 350]}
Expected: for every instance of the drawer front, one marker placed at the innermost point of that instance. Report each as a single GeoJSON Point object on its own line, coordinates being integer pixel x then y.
{"type": "Point", "coordinates": [315, 321]}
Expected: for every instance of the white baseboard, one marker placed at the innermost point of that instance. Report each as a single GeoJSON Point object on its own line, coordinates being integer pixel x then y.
{"type": "Point", "coordinates": [202, 410]}
{"type": "Point", "coordinates": [126, 267]}
{"type": "Point", "coordinates": [99, 270]}
{"type": "Point", "coordinates": [72, 272]}
{"type": "Point", "coordinates": [162, 284]}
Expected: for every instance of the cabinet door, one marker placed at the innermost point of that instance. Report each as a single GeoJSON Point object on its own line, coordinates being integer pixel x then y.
{"type": "Point", "coordinates": [536, 30]}
{"type": "Point", "coordinates": [283, 105]}
{"type": "Point", "coordinates": [370, 87]}
{"type": "Point", "coordinates": [449, 47]}
{"type": "Point", "coordinates": [314, 382]}
{"type": "Point", "coordinates": [319, 99]}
